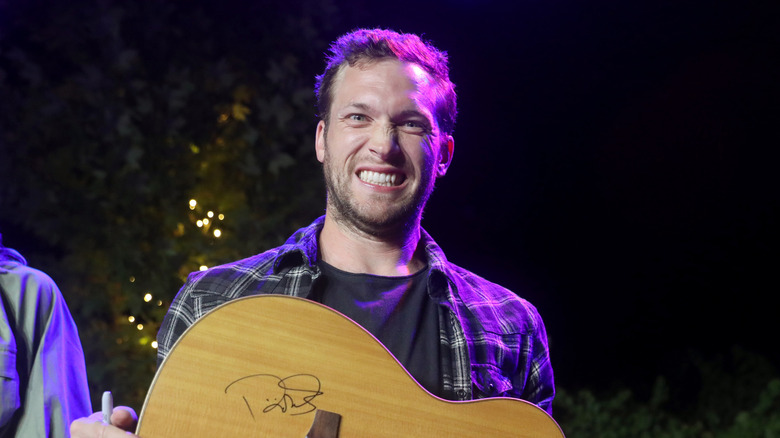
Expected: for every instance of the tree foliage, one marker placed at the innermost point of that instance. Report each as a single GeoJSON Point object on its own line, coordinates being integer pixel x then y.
{"type": "Point", "coordinates": [734, 396]}
{"type": "Point", "coordinates": [114, 115]}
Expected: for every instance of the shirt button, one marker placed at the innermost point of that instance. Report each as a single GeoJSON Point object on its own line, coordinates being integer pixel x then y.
{"type": "Point", "coordinates": [461, 394]}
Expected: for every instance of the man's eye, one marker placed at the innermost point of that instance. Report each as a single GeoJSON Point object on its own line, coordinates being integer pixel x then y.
{"type": "Point", "coordinates": [414, 126]}
{"type": "Point", "coordinates": [357, 117]}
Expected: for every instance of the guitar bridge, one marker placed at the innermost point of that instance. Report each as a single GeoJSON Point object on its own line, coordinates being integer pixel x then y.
{"type": "Point", "coordinates": [325, 425]}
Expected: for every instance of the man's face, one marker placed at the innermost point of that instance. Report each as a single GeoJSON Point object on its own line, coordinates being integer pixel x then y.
{"type": "Point", "coordinates": [382, 149]}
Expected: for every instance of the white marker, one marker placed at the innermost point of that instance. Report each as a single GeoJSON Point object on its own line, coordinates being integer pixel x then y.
{"type": "Point", "coordinates": [108, 407]}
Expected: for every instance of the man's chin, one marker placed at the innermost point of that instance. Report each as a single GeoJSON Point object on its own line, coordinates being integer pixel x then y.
{"type": "Point", "coordinates": [383, 224]}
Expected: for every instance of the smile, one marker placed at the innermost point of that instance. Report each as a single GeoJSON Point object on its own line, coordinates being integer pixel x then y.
{"type": "Point", "coordinates": [379, 179]}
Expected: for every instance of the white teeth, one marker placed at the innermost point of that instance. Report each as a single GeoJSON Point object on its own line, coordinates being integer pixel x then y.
{"type": "Point", "coordinates": [380, 179]}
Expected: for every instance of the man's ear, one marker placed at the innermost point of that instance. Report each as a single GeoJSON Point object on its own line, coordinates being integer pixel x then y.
{"type": "Point", "coordinates": [446, 150]}
{"type": "Point", "coordinates": [319, 141]}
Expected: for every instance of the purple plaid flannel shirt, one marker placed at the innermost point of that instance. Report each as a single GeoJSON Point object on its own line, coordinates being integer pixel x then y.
{"type": "Point", "coordinates": [496, 341]}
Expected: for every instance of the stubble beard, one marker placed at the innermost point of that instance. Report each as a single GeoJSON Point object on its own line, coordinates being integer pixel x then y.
{"type": "Point", "coordinates": [393, 222]}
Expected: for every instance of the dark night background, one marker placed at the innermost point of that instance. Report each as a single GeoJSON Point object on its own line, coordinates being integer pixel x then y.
{"type": "Point", "coordinates": [612, 165]}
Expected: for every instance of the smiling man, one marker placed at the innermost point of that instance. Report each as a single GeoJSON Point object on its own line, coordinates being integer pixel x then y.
{"type": "Point", "coordinates": [381, 150]}
{"type": "Point", "coordinates": [387, 110]}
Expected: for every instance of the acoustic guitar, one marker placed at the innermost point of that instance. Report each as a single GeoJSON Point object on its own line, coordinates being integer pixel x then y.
{"type": "Point", "coordinates": [278, 366]}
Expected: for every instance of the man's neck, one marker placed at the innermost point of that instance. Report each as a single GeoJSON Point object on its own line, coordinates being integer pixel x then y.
{"type": "Point", "coordinates": [350, 250]}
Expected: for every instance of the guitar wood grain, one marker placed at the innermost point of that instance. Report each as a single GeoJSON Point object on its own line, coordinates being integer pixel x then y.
{"type": "Point", "coordinates": [263, 365]}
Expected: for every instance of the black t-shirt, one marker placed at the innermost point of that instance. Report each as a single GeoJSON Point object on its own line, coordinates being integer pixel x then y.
{"type": "Point", "coordinates": [396, 310]}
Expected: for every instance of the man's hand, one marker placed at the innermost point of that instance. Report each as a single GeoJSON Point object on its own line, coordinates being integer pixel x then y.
{"type": "Point", "coordinates": [123, 420]}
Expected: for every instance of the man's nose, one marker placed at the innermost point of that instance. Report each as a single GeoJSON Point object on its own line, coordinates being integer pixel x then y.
{"type": "Point", "coordinates": [384, 142]}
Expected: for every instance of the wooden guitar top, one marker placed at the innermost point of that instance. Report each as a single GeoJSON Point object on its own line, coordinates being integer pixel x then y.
{"type": "Point", "coordinates": [264, 365]}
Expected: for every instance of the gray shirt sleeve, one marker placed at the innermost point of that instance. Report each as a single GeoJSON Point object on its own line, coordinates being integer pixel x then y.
{"type": "Point", "coordinates": [42, 370]}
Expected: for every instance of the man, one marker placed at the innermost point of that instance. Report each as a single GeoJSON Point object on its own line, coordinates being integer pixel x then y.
{"type": "Point", "coordinates": [387, 110]}
{"type": "Point", "coordinates": [43, 380]}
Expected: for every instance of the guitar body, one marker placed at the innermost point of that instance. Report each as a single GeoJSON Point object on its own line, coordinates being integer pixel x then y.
{"type": "Point", "coordinates": [264, 365]}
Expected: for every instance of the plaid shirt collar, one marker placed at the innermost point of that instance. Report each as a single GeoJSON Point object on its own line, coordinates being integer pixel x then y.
{"type": "Point", "coordinates": [302, 250]}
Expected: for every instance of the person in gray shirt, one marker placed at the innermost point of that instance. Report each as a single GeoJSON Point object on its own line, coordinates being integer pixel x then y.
{"type": "Point", "coordinates": [43, 379]}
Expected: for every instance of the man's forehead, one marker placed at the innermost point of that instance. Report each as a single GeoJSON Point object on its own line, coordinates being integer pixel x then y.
{"type": "Point", "coordinates": [418, 75]}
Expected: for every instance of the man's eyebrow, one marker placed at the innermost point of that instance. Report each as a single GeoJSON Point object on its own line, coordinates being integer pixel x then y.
{"type": "Point", "coordinates": [358, 105]}
{"type": "Point", "coordinates": [412, 113]}
{"type": "Point", "coordinates": [405, 114]}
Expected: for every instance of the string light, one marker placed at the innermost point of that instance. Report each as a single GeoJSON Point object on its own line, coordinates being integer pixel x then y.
{"type": "Point", "coordinates": [203, 223]}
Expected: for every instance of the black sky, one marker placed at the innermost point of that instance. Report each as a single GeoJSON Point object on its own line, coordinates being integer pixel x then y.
{"type": "Point", "coordinates": [612, 165]}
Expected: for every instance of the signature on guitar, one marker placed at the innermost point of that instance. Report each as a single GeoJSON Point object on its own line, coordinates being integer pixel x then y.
{"type": "Point", "coordinates": [293, 395]}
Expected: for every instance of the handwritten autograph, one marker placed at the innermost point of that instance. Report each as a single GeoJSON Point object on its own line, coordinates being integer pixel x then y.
{"type": "Point", "coordinates": [291, 395]}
